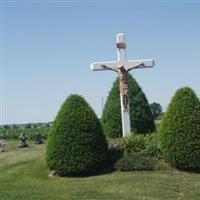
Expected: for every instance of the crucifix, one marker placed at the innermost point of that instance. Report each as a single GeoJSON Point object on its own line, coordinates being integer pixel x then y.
{"type": "Point", "coordinates": [122, 66]}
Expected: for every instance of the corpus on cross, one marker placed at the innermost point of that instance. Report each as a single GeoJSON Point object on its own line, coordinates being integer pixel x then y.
{"type": "Point", "coordinates": [122, 66]}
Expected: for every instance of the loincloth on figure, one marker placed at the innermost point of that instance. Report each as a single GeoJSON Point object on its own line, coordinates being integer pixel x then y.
{"type": "Point", "coordinates": [124, 93]}
{"type": "Point", "coordinates": [124, 89]}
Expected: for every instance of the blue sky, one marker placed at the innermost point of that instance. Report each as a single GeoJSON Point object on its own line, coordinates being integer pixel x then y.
{"type": "Point", "coordinates": [47, 47]}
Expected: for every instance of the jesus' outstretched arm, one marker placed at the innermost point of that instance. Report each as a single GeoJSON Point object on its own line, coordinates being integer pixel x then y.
{"type": "Point", "coordinates": [136, 66]}
{"type": "Point", "coordinates": [109, 68]}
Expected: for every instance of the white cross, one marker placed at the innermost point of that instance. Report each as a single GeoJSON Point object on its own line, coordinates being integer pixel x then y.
{"type": "Point", "coordinates": [122, 66]}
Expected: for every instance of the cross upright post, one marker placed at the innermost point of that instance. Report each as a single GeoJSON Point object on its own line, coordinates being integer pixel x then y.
{"type": "Point", "coordinates": [121, 57]}
{"type": "Point", "coordinates": [122, 66]}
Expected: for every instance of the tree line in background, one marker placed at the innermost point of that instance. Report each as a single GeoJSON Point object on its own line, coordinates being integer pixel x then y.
{"type": "Point", "coordinates": [14, 131]}
{"type": "Point", "coordinates": [156, 110]}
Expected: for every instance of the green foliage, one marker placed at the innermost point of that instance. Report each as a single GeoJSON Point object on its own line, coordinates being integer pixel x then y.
{"type": "Point", "coordinates": [114, 154]}
{"type": "Point", "coordinates": [156, 109]}
{"type": "Point", "coordinates": [76, 144]}
{"type": "Point", "coordinates": [180, 130]}
{"type": "Point", "coordinates": [134, 143]}
{"type": "Point", "coordinates": [15, 132]}
{"type": "Point", "coordinates": [7, 127]}
{"type": "Point", "coordinates": [111, 117]}
{"type": "Point", "coordinates": [146, 145]}
{"type": "Point", "coordinates": [134, 162]}
{"type": "Point", "coordinates": [152, 146]}
{"type": "Point", "coordinates": [28, 126]}
{"type": "Point", "coordinates": [141, 116]}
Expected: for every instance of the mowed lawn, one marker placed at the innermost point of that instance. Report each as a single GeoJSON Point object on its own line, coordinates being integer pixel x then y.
{"type": "Point", "coordinates": [24, 175]}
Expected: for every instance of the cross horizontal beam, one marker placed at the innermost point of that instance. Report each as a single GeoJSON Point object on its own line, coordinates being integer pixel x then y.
{"type": "Point", "coordinates": [98, 66]}
{"type": "Point", "coordinates": [128, 65]}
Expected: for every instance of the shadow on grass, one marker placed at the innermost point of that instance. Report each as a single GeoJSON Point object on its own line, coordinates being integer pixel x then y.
{"type": "Point", "coordinates": [162, 164]}
{"type": "Point", "coordinates": [194, 171]}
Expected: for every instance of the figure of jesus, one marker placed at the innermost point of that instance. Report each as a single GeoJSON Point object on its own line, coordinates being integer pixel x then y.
{"type": "Point", "coordinates": [123, 82]}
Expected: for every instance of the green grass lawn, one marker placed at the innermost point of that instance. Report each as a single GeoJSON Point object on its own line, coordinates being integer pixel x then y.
{"type": "Point", "coordinates": [24, 176]}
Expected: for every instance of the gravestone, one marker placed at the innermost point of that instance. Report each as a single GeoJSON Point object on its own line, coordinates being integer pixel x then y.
{"type": "Point", "coordinates": [2, 145]}
{"type": "Point", "coordinates": [38, 138]}
{"type": "Point", "coordinates": [23, 138]}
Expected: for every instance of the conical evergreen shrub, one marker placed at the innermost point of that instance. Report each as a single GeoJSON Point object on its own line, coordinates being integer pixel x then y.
{"type": "Point", "coordinates": [180, 130]}
{"type": "Point", "coordinates": [140, 112]}
{"type": "Point", "coordinates": [76, 143]}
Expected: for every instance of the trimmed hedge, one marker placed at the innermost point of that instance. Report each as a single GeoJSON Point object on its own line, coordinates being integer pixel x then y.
{"type": "Point", "coordinates": [141, 116]}
{"type": "Point", "coordinates": [135, 162]}
{"type": "Point", "coordinates": [180, 130]}
{"type": "Point", "coordinates": [76, 143]}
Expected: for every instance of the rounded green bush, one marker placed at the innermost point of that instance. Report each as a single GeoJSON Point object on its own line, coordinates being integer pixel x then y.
{"type": "Point", "coordinates": [135, 162]}
{"type": "Point", "coordinates": [76, 143]}
{"type": "Point", "coordinates": [180, 130]}
{"type": "Point", "coordinates": [140, 111]}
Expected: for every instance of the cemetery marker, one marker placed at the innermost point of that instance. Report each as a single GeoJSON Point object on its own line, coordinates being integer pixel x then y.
{"type": "Point", "coordinates": [122, 66]}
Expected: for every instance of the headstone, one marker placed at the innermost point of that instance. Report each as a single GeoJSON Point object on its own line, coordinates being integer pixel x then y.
{"type": "Point", "coordinates": [38, 138]}
{"type": "Point", "coordinates": [23, 138]}
{"type": "Point", "coordinates": [2, 145]}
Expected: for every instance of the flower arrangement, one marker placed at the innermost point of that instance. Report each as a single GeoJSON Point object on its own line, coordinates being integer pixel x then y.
{"type": "Point", "coordinates": [2, 143]}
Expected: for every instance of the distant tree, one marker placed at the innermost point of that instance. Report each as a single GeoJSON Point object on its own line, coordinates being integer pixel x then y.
{"type": "Point", "coordinates": [156, 109]}
{"type": "Point", "coordinates": [28, 125]}
{"type": "Point", "coordinates": [140, 112]}
{"type": "Point", "coordinates": [6, 126]}
{"type": "Point", "coordinates": [15, 126]}
{"type": "Point", "coordinates": [35, 125]}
